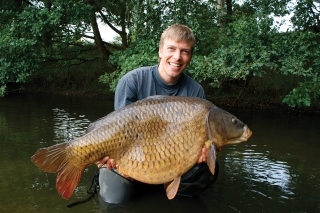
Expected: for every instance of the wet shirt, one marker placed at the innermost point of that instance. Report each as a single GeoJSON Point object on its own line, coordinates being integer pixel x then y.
{"type": "Point", "coordinates": [146, 81]}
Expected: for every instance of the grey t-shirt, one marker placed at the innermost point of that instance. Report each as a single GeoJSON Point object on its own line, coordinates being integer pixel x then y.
{"type": "Point", "coordinates": [146, 81]}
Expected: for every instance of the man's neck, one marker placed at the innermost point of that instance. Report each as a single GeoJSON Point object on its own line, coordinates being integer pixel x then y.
{"type": "Point", "coordinates": [166, 78]}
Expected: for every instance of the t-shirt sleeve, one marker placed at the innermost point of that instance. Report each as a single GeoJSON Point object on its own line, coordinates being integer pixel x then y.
{"type": "Point", "coordinates": [193, 88]}
{"type": "Point", "coordinates": [201, 93]}
{"type": "Point", "coordinates": [125, 92]}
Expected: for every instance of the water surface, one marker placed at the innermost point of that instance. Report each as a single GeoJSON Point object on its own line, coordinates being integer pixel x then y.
{"type": "Point", "coordinates": [277, 170]}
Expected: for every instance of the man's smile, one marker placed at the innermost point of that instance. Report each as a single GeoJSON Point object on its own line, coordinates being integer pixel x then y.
{"type": "Point", "coordinates": [174, 64]}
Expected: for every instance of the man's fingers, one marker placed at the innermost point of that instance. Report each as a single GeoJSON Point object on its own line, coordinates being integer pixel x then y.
{"type": "Point", "coordinates": [203, 156]}
{"type": "Point", "coordinates": [111, 164]}
{"type": "Point", "coordinates": [102, 161]}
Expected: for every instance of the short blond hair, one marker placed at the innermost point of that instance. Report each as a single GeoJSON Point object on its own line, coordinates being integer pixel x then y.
{"type": "Point", "coordinates": [178, 32]}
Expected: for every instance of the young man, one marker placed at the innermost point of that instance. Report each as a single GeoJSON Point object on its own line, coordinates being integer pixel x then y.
{"type": "Point", "coordinates": [167, 78]}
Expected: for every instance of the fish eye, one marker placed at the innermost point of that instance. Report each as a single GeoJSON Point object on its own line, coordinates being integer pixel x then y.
{"type": "Point", "coordinates": [234, 120]}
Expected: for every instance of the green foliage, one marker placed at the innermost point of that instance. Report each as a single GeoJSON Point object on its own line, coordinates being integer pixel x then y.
{"type": "Point", "coordinates": [36, 35]}
{"type": "Point", "coordinates": [300, 57]}
{"type": "Point", "coordinates": [2, 90]}
{"type": "Point", "coordinates": [306, 15]}
{"type": "Point", "coordinates": [245, 54]}
{"type": "Point", "coordinates": [139, 54]}
{"type": "Point", "coordinates": [16, 58]}
{"type": "Point", "coordinates": [302, 95]}
{"type": "Point", "coordinates": [149, 19]}
{"type": "Point", "coordinates": [236, 44]}
{"type": "Point", "coordinates": [247, 47]}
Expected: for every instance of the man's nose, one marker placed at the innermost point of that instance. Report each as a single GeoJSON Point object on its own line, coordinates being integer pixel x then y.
{"type": "Point", "coordinates": [177, 55]}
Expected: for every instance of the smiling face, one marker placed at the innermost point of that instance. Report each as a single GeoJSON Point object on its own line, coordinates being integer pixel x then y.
{"type": "Point", "coordinates": [174, 56]}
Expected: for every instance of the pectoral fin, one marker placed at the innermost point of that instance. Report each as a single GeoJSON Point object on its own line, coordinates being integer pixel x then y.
{"type": "Point", "coordinates": [211, 159]}
{"type": "Point", "coordinates": [173, 187]}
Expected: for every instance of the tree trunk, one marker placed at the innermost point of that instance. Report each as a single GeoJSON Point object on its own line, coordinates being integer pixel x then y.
{"type": "Point", "coordinates": [47, 37]}
{"type": "Point", "coordinates": [229, 7]}
{"type": "Point", "coordinates": [220, 12]}
{"type": "Point", "coordinates": [98, 40]}
{"type": "Point", "coordinates": [123, 34]}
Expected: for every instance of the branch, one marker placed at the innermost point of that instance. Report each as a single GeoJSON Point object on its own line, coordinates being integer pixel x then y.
{"type": "Point", "coordinates": [49, 61]}
{"type": "Point", "coordinates": [26, 1]}
{"type": "Point", "coordinates": [315, 7]}
{"type": "Point", "coordinates": [105, 19]}
{"type": "Point", "coordinates": [116, 47]}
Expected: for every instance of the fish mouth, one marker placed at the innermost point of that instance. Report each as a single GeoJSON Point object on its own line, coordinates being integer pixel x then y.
{"type": "Point", "coordinates": [244, 137]}
{"type": "Point", "coordinates": [246, 134]}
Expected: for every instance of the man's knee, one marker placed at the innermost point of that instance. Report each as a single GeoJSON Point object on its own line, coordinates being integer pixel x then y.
{"type": "Point", "coordinates": [197, 179]}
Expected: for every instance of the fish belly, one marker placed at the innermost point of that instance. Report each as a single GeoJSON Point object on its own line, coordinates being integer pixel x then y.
{"type": "Point", "coordinates": [152, 141]}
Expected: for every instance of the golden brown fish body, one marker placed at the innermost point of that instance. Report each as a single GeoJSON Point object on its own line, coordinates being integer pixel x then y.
{"type": "Point", "coordinates": [154, 140]}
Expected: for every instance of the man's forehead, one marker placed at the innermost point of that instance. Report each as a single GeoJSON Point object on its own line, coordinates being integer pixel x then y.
{"type": "Point", "coordinates": [174, 42]}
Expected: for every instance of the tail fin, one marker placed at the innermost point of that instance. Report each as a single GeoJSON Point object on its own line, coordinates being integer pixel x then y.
{"type": "Point", "coordinates": [54, 159]}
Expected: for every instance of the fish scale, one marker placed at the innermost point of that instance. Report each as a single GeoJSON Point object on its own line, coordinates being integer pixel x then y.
{"type": "Point", "coordinates": [154, 141]}
{"type": "Point", "coordinates": [170, 132]}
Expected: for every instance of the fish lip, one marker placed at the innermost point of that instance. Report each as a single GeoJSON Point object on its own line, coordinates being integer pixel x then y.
{"type": "Point", "coordinates": [244, 137]}
{"type": "Point", "coordinates": [246, 133]}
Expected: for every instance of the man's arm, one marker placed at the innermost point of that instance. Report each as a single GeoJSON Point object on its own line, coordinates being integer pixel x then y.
{"type": "Point", "coordinates": [125, 92]}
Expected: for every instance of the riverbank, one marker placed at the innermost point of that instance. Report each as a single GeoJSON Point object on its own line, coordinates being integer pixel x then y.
{"type": "Point", "coordinates": [245, 101]}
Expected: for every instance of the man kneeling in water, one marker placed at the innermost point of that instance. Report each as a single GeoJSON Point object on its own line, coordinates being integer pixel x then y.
{"type": "Point", "coordinates": [176, 47]}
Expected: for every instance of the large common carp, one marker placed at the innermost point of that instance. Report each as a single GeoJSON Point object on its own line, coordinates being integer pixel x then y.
{"type": "Point", "coordinates": [154, 140]}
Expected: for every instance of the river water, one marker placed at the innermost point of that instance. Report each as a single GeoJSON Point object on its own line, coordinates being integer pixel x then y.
{"type": "Point", "coordinates": [277, 170]}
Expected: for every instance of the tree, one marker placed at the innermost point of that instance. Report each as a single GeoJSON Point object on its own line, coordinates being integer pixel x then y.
{"type": "Point", "coordinates": [36, 33]}
{"type": "Point", "coordinates": [307, 15]}
{"type": "Point", "coordinates": [237, 43]}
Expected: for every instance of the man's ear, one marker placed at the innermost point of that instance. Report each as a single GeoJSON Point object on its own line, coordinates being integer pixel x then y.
{"type": "Point", "coordinates": [159, 52]}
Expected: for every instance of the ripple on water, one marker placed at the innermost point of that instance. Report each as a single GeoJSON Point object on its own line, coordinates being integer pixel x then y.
{"type": "Point", "coordinates": [68, 125]}
{"type": "Point", "coordinates": [259, 170]}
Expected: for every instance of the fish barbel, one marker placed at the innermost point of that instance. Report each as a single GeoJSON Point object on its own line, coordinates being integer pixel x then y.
{"type": "Point", "coordinates": [154, 140]}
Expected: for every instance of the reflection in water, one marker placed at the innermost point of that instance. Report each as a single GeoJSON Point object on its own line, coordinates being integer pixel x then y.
{"type": "Point", "coordinates": [259, 168]}
{"type": "Point", "coordinates": [68, 126]}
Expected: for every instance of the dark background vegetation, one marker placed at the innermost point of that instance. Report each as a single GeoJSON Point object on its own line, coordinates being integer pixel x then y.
{"type": "Point", "coordinates": [242, 58]}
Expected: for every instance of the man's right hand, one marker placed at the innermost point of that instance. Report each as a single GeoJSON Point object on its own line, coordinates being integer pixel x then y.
{"type": "Point", "coordinates": [110, 163]}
